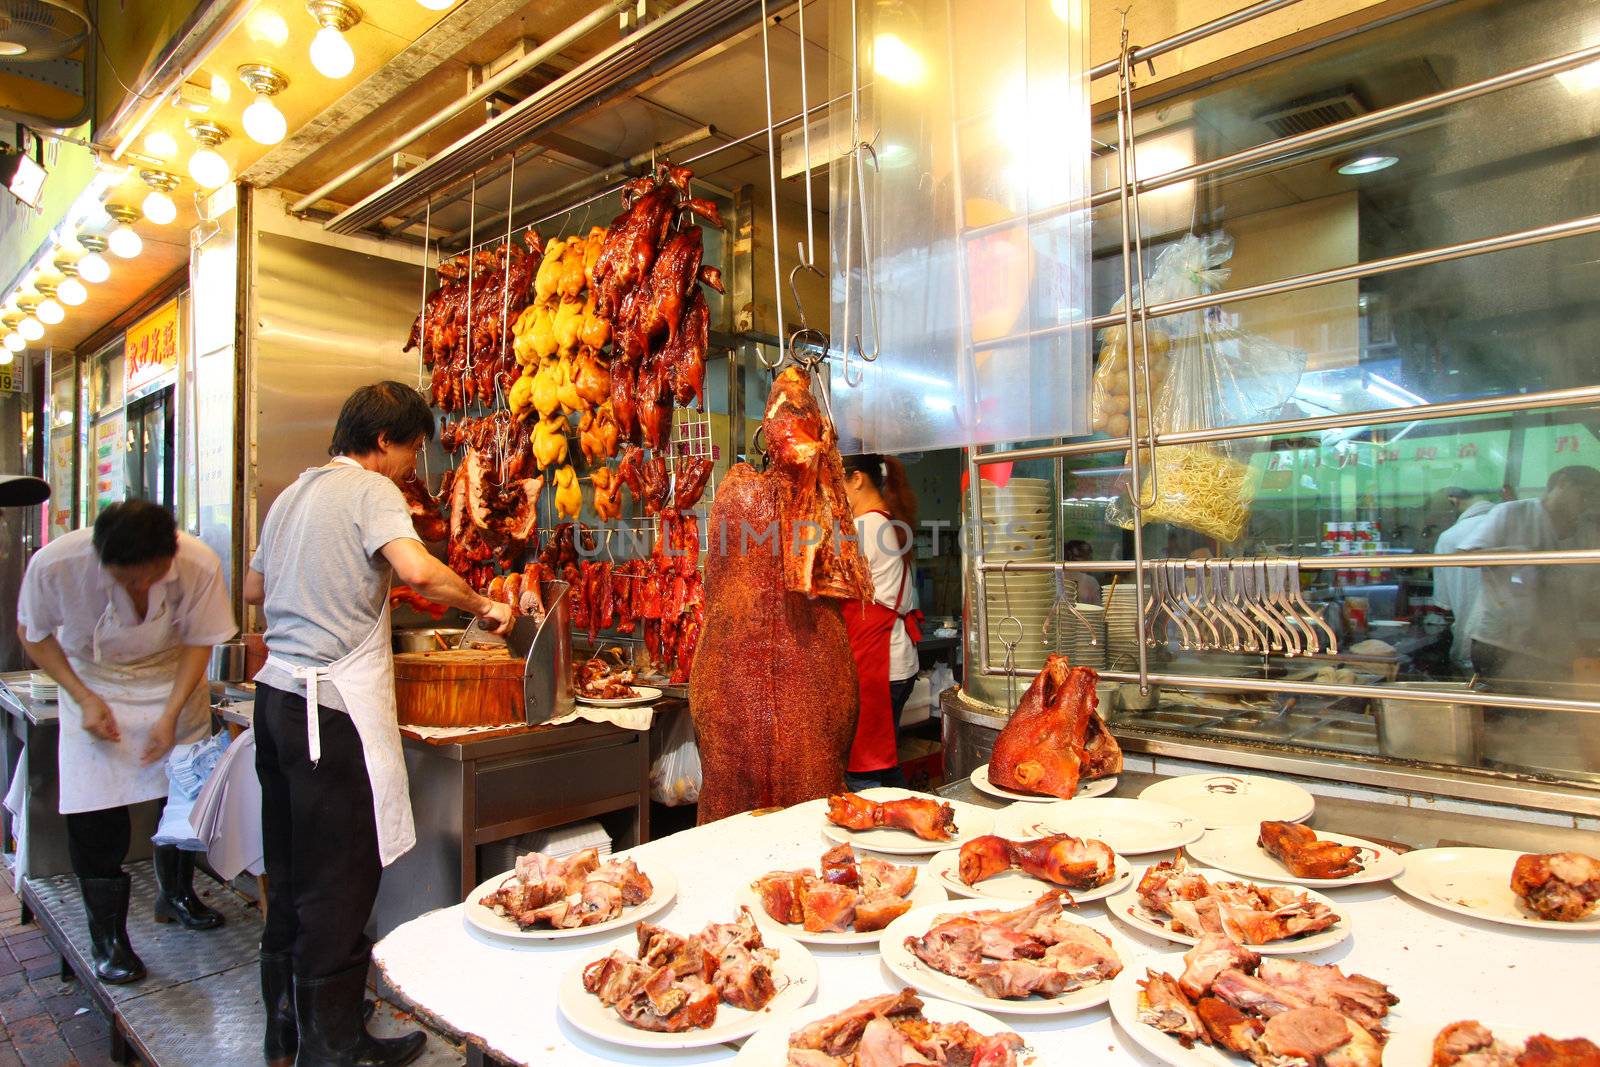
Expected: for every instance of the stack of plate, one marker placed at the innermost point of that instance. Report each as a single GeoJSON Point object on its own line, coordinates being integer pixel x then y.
{"type": "Point", "coordinates": [42, 687]}
{"type": "Point", "coordinates": [1017, 527]}
{"type": "Point", "coordinates": [1122, 628]}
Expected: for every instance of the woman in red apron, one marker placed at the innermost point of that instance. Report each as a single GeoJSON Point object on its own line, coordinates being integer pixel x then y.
{"type": "Point", "coordinates": [884, 631]}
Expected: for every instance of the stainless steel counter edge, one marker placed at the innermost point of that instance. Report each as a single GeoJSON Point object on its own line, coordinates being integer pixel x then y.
{"type": "Point", "coordinates": [20, 703]}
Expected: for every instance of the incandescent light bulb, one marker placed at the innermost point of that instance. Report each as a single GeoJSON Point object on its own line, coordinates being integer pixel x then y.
{"type": "Point", "coordinates": [125, 242]}
{"type": "Point", "coordinates": [331, 54]}
{"type": "Point", "coordinates": [264, 122]}
{"type": "Point", "coordinates": [71, 292]}
{"type": "Point", "coordinates": [94, 268]}
{"type": "Point", "coordinates": [49, 311]}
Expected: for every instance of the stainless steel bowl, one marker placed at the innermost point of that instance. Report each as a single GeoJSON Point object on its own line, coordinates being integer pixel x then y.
{"type": "Point", "coordinates": [1423, 730]}
{"type": "Point", "coordinates": [426, 638]}
{"type": "Point", "coordinates": [227, 662]}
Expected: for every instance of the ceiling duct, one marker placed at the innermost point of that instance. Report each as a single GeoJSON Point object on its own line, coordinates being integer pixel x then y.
{"type": "Point", "coordinates": [1313, 112]}
{"type": "Point", "coordinates": [34, 30]}
{"type": "Point", "coordinates": [686, 31]}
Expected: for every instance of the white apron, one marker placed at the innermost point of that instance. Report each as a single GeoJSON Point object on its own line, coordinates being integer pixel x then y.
{"type": "Point", "coordinates": [132, 671]}
{"type": "Point", "coordinates": [364, 680]}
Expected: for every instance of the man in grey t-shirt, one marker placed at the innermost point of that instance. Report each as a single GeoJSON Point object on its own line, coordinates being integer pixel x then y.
{"type": "Point", "coordinates": [329, 547]}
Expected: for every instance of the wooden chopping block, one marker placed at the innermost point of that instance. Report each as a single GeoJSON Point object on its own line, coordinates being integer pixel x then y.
{"type": "Point", "coordinates": [458, 687]}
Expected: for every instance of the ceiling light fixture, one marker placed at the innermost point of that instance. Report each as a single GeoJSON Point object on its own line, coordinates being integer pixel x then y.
{"type": "Point", "coordinates": [70, 291]}
{"type": "Point", "coordinates": [437, 5]}
{"type": "Point", "coordinates": [161, 144]}
{"type": "Point", "coordinates": [158, 206]}
{"type": "Point", "coordinates": [50, 312]}
{"type": "Point", "coordinates": [16, 48]}
{"type": "Point", "coordinates": [30, 328]}
{"type": "Point", "coordinates": [1367, 164]}
{"type": "Point", "coordinates": [123, 240]}
{"type": "Point", "coordinates": [206, 166]}
{"type": "Point", "coordinates": [262, 120]}
{"type": "Point", "coordinates": [221, 89]}
{"type": "Point", "coordinates": [15, 342]}
{"type": "Point", "coordinates": [897, 61]}
{"type": "Point", "coordinates": [93, 266]}
{"type": "Point", "coordinates": [331, 54]}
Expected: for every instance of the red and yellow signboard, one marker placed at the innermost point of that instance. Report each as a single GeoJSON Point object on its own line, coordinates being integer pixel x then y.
{"type": "Point", "coordinates": [152, 349]}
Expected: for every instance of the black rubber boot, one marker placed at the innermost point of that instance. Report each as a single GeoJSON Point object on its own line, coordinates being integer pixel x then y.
{"type": "Point", "coordinates": [277, 993]}
{"type": "Point", "coordinates": [332, 1033]}
{"type": "Point", "coordinates": [106, 901]}
{"type": "Point", "coordinates": [177, 900]}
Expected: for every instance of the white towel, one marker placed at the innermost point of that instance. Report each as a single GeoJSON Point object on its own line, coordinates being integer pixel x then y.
{"type": "Point", "coordinates": [227, 814]}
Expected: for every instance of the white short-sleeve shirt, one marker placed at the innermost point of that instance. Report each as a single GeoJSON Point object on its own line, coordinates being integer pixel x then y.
{"type": "Point", "coordinates": [65, 591]}
{"type": "Point", "coordinates": [889, 566]}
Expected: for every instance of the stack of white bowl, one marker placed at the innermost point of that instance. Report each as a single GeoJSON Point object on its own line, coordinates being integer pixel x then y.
{"type": "Point", "coordinates": [1017, 527]}
{"type": "Point", "coordinates": [1122, 627]}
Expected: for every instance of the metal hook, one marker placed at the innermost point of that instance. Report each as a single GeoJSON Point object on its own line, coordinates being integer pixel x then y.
{"type": "Point", "coordinates": [857, 201]}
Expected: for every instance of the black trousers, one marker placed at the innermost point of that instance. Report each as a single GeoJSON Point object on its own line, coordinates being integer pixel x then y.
{"type": "Point", "coordinates": [97, 841]}
{"type": "Point", "coordinates": [319, 835]}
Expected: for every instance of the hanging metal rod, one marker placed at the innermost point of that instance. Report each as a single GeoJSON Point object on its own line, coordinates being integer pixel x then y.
{"type": "Point", "coordinates": [591, 22]}
{"type": "Point", "coordinates": [1578, 396]}
{"type": "Point", "coordinates": [1332, 689]}
{"type": "Point", "coordinates": [1199, 33]}
{"type": "Point", "coordinates": [1558, 558]}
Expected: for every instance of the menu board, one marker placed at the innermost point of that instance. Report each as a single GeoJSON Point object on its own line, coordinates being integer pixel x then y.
{"type": "Point", "coordinates": [151, 352]}
{"type": "Point", "coordinates": [109, 467]}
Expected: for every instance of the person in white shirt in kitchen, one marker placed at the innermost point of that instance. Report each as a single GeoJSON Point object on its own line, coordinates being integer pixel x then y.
{"type": "Point", "coordinates": [1523, 626]}
{"type": "Point", "coordinates": [123, 617]}
{"type": "Point", "coordinates": [335, 803]}
{"type": "Point", "coordinates": [1455, 589]}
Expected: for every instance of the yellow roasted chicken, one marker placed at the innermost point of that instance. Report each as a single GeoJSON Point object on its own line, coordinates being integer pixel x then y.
{"type": "Point", "coordinates": [550, 441]}
{"type": "Point", "coordinates": [569, 498]}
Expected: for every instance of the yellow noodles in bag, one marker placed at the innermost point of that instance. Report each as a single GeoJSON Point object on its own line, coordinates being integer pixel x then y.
{"type": "Point", "coordinates": [1200, 489]}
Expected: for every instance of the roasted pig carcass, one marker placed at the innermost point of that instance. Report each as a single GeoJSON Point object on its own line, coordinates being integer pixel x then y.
{"type": "Point", "coordinates": [1060, 859]}
{"type": "Point", "coordinates": [1298, 848]}
{"type": "Point", "coordinates": [928, 818]}
{"type": "Point", "coordinates": [1055, 738]}
{"type": "Point", "coordinates": [1557, 886]}
{"type": "Point", "coordinates": [772, 685]}
{"type": "Point", "coordinates": [430, 524]}
{"type": "Point", "coordinates": [891, 1030]}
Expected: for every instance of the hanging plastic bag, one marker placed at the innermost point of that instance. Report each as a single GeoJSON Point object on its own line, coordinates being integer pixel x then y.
{"type": "Point", "coordinates": [675, 777]}
{"type": "Point", "coordinates": [188, 768]}
{"type": "Point", "coordinates": [1203, 374]}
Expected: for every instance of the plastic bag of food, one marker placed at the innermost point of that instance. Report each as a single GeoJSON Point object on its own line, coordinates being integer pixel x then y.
{"type": "Point", "coordinates": [675, 776]}
{"type": "Point", "coordinates": [1204, 374]}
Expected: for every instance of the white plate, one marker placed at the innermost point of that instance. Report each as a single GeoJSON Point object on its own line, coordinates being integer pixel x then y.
{"type": "Point", "coordinates": [643, 694]}
{"type": "Point", "coordinates": [971, 821]}
{"type": "Point", "coordinates": [769, 1047]}
{"type": "Point", "coordinates": [1014, 886]}
{"type": "Point", "coordinates": [1129, 826]}
{"type": "Point", "coordinates": [1126, 908]}
{"type": "Point", "coordinates": [795, 973]}
{"type": "Point", "coordinates": [908, 968]}
{"type": "Point", "coordinates": [1234, 849]}
{"type": "Point", "coordinates": [1233, 799]}
{"type": "Point", "coordinates": [927, 890]}
{"type": "Point", "coordinates": [1097, 788]}
{"type": "Point", "coordinates": [1163, 1046]}
{"type": "Point", "coordinates": [1476, 882]}
{"type": "Point", "coordinates": [664, 888]}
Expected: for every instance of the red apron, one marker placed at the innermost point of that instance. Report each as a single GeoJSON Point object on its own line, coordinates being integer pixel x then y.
{"type": "Point", "coordinates": [871, 626]}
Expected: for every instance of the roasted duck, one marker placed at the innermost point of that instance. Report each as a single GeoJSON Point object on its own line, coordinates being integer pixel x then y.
{"type": "Point", "coordinates": [1010, 955]}
{"type": "Point", "coordinates": [1062, 860]}
{"type": "Point", "coordinates": [1470, 1044]}
{"type": "Point", "coordinates": [1250, 914]}
{"type": "Point", "coordinates": [1055, 738]}
{"type": "Point", "coordinates": [1277, 1012]}
{"type": "Point", "coordinates": [1298, 848]}
{"type": "Point", "coordinates": [569, 893]}
{"type": "Point", "coordinates": [1559, 886]}
{"type": "Point", "coordinates": [927, 817]}
{"type": "Point", "coordinates": [848, 894]}
{"type": "Point", "coordinates": [891, 1029]}
{"type": "Point", "coordinates": [773, 685]}
{"type": "Point", "coordinates": [676, 982]}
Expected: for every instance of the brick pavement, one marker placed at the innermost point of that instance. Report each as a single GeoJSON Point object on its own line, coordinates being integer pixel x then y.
{"type": "Point", "coordinates": [44, 1022]}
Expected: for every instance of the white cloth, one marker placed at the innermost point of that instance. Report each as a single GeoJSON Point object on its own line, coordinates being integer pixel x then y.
{"type": "Point", "coordinates": [1516, 608]}
{"type": "Point", "coordinates": [1455, 589]}
{"type": "Point", "coordinates": [67, 594]}
{"type": "Point", "coordinates": [364, 680]}
{"type": "Point", "coordinates": [892, 581]}
{"type": "Point", "coordinates": [227, 813]}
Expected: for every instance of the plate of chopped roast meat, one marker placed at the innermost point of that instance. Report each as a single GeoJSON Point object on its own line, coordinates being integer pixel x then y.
{"type": "Point", "coordinates": [1229, 999]}
{"type": "Point", "coordinates": [1182, 904]}
{"type": "Point", "coordinates": [1469, 1043]}
{"type": "Point", "coordinates": [657, 989]}
{"type": "Point", "coordinates": [895, 1028]}
{"type": "Point", "coordinates": [545, 897]}
{"type": "Point", "coordinates": [848, 901]}
{"type": "Point", "coordinates": [1002, 869]}
{"type": "Point", "coordinates": [1031, 960]}
{"type": "Point", "coordinates": [1055, 746]}
{"type": "Point", "coordinates": [898, 821]}
{"type": "Point", "coordinates": [1129, 827]}
{"type": "Point", "coordinates": [1293, 852]}
{"type": "Point", "coordinates": [1549, 891]}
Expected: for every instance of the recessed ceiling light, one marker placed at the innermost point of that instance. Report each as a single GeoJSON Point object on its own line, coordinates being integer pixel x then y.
{"type": "Point", "coordinates": [12, 48]}
{"type": "Point", "coordinates": [1367, 164]}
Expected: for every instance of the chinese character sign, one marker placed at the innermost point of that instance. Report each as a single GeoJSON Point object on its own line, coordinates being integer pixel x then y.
{"type": "Point", "coordinates": [152, 349]}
